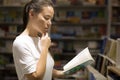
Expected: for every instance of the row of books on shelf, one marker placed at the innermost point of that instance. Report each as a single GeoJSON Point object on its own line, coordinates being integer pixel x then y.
{"type": "Point", "coordinates": [71, 47]}
{"type": "Point", "coordinates": [115, 14]}
{"type": "Point", "coordinates": [57, 2]}
{"type": "Point", "coordinates": [80, 16]}
{"type": "Point", "coordinates": [5, 46]}
{"type": "Point", "coordinates": [61, 47]}
{"type": "Point", "coordinates": [98, 31]}
{"type": "Point", "coordinates": [10, 15]}
{"type": "Point", "coordinates": [93, 31]}
{"type": "Point", "coordinates": [115, 33]}
{"type": "Point", "coordinates": [8, 72]}
{"type": "Point", "coordinates": [77, 2]}
{"type": "Point", "coordinates": [6, 62]}
{"type": "Point", "coordinates": [116, 2]}
{"type": "Point", "coordinates": [13, 2]}
{"type": "Point", "coordinates": [10, 31]}
{"type": "Point", "coordinates": [70, 14]}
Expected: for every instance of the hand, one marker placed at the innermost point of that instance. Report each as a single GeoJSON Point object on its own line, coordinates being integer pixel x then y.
{"type": "Point", "coordinates": [58, 73]}
{"type": "Point", "coordinates": [45, 41]}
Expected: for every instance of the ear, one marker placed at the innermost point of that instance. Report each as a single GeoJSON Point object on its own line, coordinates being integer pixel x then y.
{"type": "Point", "coordinates": [31, 13]}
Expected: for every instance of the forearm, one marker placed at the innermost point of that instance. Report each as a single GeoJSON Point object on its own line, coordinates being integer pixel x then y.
{"type": "Point", "coordinates": [41, 64]}
{"type": "Point", "coordinates": [41, 67]}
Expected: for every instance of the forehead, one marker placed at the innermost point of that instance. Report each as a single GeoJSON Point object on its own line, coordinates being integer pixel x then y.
{"type": "Point", "coordinates": [48, 10]}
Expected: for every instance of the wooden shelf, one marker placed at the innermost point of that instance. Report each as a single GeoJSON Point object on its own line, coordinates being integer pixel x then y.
{"type": "Point", "coordinates": [116, 6]}
{"type": "Point", "coordinates": [114, 70]}
{"type": "Point", "coordinates": [79, 24]}
{"type": "Point", "coordinates": [77, 6]}
{"type": "Point", "coordinates": [11, 6]}
{"type": "Point", "coordinates": [116, 23]}
{"type": "Point", "coordinates": [77, 39]}
{"type": "Point", "coordinates": [10, 23]}
{"type": "Point", "coordinates": [109, 59]}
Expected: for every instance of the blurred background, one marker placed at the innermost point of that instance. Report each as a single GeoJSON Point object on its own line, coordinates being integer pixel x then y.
{"type": "Point", "coordinates": [77, 24]}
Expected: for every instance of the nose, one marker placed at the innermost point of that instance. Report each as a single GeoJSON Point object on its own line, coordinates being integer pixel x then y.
{"type": "Point", "coordinates": [49, 23]}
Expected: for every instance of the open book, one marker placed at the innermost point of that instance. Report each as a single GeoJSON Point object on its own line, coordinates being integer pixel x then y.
{"type": "Point", "coordinates": [81, 60]}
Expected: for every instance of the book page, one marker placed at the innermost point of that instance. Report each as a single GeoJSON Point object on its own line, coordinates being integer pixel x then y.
{"type": "Point", "coordinates": [81, 58]}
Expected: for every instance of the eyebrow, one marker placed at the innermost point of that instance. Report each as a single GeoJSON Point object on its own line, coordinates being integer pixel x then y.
{"type": "Point", "coordinates": [49, 16]}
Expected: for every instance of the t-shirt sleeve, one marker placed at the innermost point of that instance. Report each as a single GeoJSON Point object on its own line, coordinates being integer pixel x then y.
{"type": "Point", "coordinates": [24, 58]}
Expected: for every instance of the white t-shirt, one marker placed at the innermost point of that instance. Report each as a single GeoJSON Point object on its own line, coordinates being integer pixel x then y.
{"type": "Point", "coordinates": [26, 53]}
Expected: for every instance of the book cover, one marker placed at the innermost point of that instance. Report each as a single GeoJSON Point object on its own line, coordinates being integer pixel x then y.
{"type": "Point", "coordinates": [107, 46]}
{"type": "Point", "coordinates": [112, 49]}
{"type": "Point", "coordinates": [118, 53]}
{"type": "Point", "coordinates": [80, 61]}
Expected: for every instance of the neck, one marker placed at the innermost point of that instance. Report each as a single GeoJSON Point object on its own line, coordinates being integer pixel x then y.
{"type": "Point", "coordinates": [30, 32]}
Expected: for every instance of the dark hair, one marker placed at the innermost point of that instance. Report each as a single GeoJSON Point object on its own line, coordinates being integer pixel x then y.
{"type": "Point", "coordinates": [37, 6]}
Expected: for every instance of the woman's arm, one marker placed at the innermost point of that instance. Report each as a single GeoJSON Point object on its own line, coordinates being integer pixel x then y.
{"type": "Point", "coordinates": [41, 65]}
{"type": "Point", "coordinates": [58, 73]}
{"type": "Point", "coordinates": [40, 69]}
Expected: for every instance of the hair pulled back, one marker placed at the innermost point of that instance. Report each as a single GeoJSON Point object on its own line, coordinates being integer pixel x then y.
{"type": "Point", "coordinates": [36, 6]}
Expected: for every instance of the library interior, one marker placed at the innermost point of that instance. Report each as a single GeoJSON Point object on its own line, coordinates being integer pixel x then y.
{"type": "Point", "coordinates": [76, 24]}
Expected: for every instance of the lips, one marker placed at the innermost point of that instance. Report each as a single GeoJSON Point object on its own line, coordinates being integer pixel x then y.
{"type": "Point", "coordinates": [46, 29]}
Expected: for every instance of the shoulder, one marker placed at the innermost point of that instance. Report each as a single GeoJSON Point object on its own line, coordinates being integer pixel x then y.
{"type": "Point", "coordinates": [21, 46]}
{"type": "Point", "coordinates": [21, 41]}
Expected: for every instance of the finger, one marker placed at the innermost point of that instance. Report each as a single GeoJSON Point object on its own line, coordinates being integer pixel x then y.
{"type": "Point", "coordinates": [42, 36]}
{"type": "Point", "coordinates": [46, 35]}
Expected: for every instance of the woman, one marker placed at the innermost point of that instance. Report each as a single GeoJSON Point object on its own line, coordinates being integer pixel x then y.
{"type": "Point", "coordinates": [31, 48]}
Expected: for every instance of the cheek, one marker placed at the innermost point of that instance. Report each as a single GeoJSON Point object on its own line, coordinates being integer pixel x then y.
{"type": "Point", "coordinates": [41, 22]}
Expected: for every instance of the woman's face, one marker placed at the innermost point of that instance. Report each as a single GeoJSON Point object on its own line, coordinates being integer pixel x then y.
{"type": "Point", "coordinates": [42, 21]}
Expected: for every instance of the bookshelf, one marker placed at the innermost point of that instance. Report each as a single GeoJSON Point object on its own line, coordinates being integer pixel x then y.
{"type": "Point", "coordinates": [67, 17]}
{"type": "Point", "coordinates": [115, 19]}
{"type": "Point", "coordinates": [10, 26]}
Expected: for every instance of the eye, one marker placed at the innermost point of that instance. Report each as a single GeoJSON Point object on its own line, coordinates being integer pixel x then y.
{"type": "Point", "coordinates": [47, 18]}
